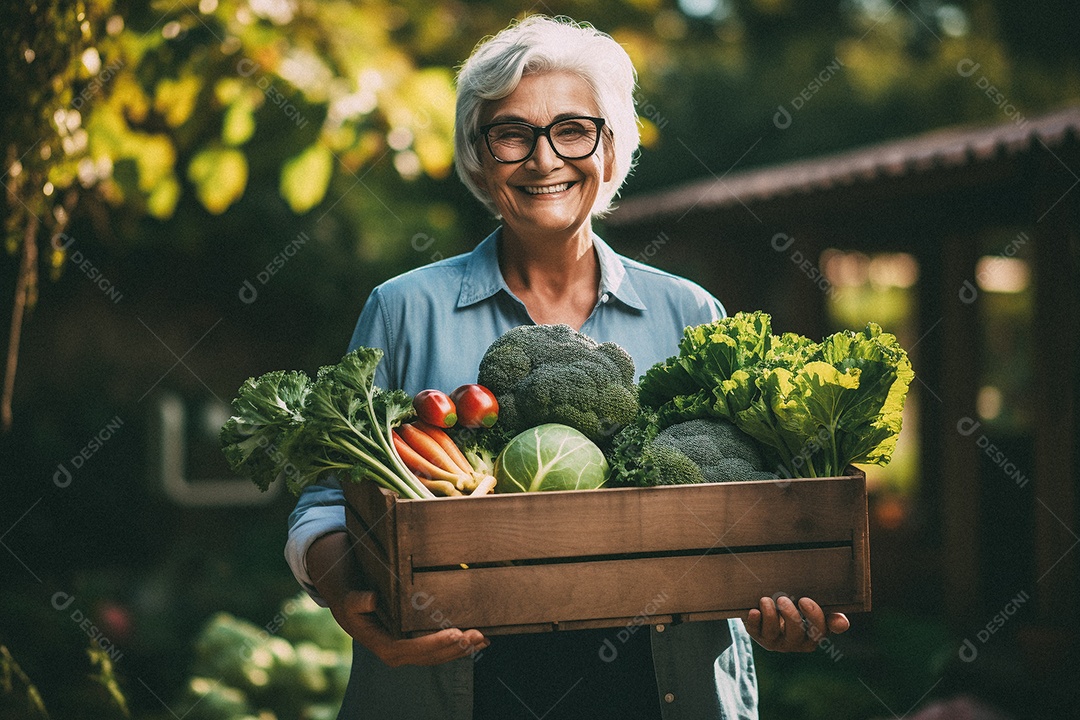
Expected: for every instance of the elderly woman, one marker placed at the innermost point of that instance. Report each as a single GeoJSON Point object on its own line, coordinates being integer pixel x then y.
{"type": "Point", "coordinates": [546, 133]}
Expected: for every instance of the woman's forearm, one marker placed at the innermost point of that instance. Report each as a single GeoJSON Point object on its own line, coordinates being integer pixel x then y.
{"type": "Point", "coordinates": [331, 566]}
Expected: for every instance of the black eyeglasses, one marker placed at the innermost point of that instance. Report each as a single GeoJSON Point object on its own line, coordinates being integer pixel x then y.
{"type": "Point", "coordinates": [571, 138]}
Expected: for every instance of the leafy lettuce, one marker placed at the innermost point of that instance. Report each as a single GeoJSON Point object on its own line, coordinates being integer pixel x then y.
{"type": "Point", "coordinates": [815, 407]}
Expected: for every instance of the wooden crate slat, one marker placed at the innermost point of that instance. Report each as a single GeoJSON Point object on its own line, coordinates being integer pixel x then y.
{"type": "Point", "coordinates": [803, 537]}
{"type": "Point", "coordinates": [376, 549]}
{"type": "Point", "coordinates": [377, 508]}
{"type": "Point", "coordinates": [544, 594]}
{"type": "Point", "coordinates": [604, 522]}
{"type": "Point", "coordinates": [860, 545]}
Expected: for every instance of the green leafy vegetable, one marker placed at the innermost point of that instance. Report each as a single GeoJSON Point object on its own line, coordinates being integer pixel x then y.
{"type": "Point", "coordinates": [298, 667]}
{"type": "Point", "coordinates": [267, 409]}
{"type": "Point", "coordinates": [287, 426]}
{"type": "Point", "coordinates": [550, 457]}
{"type": "Point", "coordinates": [815, 407]}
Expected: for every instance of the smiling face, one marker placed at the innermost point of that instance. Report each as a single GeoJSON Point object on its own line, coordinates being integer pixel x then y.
{"type": "Point", "coordinates": [545, 194]}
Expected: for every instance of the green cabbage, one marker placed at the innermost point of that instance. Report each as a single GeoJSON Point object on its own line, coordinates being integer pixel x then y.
{"type": "Point", "coordinates": [550, 457]}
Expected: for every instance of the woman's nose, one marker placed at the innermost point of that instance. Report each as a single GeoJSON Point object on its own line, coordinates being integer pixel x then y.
{"type": "Point", "coordinates": [544, 159]}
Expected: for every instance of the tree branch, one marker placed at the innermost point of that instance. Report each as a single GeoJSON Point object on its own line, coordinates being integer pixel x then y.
{"type": "Point", "coordinates": [23, 287]}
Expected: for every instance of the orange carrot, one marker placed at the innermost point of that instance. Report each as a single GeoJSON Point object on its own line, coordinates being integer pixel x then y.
{"type": "Point", "coordinates": [446, 443]}
{"type": "Point", "coordinates": [428, 449]}
{"type": "Point", "coordinates": [420, 465]}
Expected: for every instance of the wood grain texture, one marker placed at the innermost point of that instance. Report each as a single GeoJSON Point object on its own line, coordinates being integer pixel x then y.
{"type": "Point", "coordinates": [604, 522]}
{"type": "Point", "coordinates": [371, 521]}
{"type": "Point", "coordinates": [620, 589]}
{"type": "Point", "coordinates": [611, 557]}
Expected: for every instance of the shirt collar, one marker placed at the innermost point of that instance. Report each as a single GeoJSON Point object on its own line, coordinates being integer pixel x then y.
{"type": "Point", "coordinates": [483, 278]}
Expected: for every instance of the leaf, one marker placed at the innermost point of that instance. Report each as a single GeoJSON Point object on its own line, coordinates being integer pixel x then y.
{"type": "Point", "coordinates": [107, 678]}
{"type": "Point", "coordinates": [162, 200]}
{"type": "Point", "coordinates": [436, 154]}
{"type": "Point", "coordinates": [154, 156]}
{"type": "Point", "coordinates": [13, 676]}
{"type": "Point", "coordinates": [305, 177]}
{"type": "Point", "coordinates": [175, 99]}
{"type": "Point", "coordinates": [266, 409]}
{"type": "Point", "coordinates": [238, 125]}
{"type": "Point", "coordinates": [220, 176]}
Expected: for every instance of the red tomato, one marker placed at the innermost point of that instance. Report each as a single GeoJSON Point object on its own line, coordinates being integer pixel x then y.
{"type": "Point", "coordinates": [476, 406]}
{"type": "Point", "coordinates": [435, 407]}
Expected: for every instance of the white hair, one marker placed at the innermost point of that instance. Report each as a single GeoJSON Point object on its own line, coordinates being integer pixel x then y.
{"type": "Point", "coordinates": [540, 44]}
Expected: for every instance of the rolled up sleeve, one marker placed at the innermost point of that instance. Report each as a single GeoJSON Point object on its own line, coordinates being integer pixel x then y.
{"type": "Point", "coordinates": [319, 511]}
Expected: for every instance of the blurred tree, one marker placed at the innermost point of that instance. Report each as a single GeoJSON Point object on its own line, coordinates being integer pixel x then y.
{"type": "Point", "coordinates": [755, 82]}
{"type": "Point", "coordinates": [123, 108]}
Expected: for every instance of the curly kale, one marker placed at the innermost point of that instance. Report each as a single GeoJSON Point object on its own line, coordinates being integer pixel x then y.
{"type": "Point", "coordinates": [267, 409]}
{"type": "Point", "coordinates": [554, 374]}
{"type": "Point", "coordinates": [288, 426]}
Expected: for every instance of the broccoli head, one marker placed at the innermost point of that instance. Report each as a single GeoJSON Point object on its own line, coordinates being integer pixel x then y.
{"type": "Point", "coordinates": [637, 460]}
{"type": "Point", "coordinates": [722, 451]}
{"type": "Point", "coordinates": [694, 451]}
{"type": "Point", "coordinates": [554, 374]}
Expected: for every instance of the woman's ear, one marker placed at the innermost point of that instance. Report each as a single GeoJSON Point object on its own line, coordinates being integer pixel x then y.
{"type": "Point", "coordinates": [481, 181]}
{"type": "Point", "coordinates": [609, 158]}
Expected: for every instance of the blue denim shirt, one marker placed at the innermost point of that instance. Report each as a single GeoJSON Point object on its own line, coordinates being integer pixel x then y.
{"type": "Point", "coordinates": [434, 324]}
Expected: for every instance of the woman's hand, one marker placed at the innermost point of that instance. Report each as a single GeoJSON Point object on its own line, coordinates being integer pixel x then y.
{"type": "Point", "coordinates": [780, 626]}
{"type": "Point", "coordinates": [334, 573]}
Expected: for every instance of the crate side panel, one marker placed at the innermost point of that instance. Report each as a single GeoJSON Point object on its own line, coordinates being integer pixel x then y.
{"type": "Point", "coordinates": [620, 589]}
{"type": "Point", "coordinates": [627, 520]}
{"type": "Point", "coordinates": [375, 507]}
{"type": "Point", "coordinates": [860, 545]}
{"type": "Point", "coordinates": [376, 568]}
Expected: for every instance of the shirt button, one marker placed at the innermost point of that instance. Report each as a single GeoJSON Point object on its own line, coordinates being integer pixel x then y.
{"type": "Point", "coordinates": [660, 628]}
{"type": "Point", "coordinates": [669, 698]}
{"type": "Point", "coordinates": [604, 298]}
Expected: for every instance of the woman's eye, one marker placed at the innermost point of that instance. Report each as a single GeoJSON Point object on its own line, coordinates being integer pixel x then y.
{"type": "Point", "coordinates": [512, 135]}
{"type": "Point", "coordinates": [570, 130]}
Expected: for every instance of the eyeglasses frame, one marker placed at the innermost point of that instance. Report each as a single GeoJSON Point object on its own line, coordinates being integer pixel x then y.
{"type": "Point", "coordinates": [538, 132]}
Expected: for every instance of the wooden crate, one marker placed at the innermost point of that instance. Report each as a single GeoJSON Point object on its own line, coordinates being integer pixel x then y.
{"type": "Point", "coordinates": [610, 557]}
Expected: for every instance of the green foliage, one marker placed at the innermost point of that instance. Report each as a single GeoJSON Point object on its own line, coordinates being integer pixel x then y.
{"type": "Point", "coordinates": [550, 457]}
{"type": "Point", "coordinates": [106, 677]}
{"type": "Point", "coordinates": [15, 682]}
{"type": "Point", "coordinates": [305, 177]}
{"type": "Point", "coordinates": [266, 410]}
{"type": "Point", "coordinates": [19, 693]}
{"type": "Point", "coordinates": [296, 666]}
{"type": "Point", "coordinates": [290, 427]}
{"type": "Point", "coordinates": [815, 407]}
{"type": "Point", "coordinates": [554, 374]}
{"type": "Point", "coordinates": [220, 176]}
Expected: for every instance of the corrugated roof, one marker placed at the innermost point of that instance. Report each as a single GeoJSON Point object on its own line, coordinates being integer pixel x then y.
{"type": "Point", "coordinates": [940, 149]}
